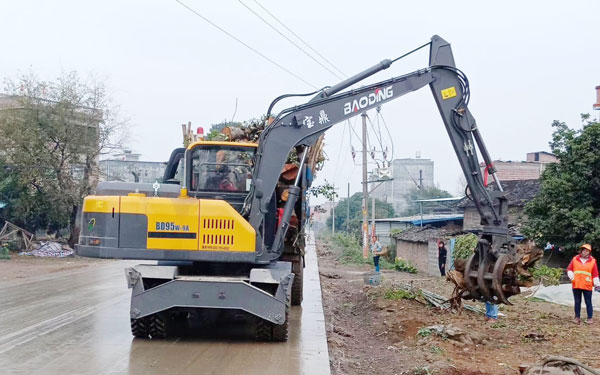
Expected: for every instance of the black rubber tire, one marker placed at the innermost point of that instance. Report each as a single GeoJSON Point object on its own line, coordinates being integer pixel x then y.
{"type": "Point", "coordinates": [264, 331]}
{"type": "Point", "coordinates": [158, 326]}
{"type": "Point", "coordinates": [298, 284]}
{"type": "Point", "coordinates": [280, 331]}
{"type": "Point", "coordinates": [139, 328]}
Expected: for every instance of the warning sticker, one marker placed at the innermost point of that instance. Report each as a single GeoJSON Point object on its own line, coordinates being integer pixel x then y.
{"type": "Point", "coordinates": [448, 93]}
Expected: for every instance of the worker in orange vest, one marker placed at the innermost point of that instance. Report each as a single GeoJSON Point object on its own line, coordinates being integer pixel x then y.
{"type": "Point", "coordinates": [583, 272]}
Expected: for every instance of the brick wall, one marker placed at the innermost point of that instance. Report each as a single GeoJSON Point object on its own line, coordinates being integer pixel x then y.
{"type": "Point", "coordinates": [509, 171]}
{"type": "Point", "coordinates": [542, 157]}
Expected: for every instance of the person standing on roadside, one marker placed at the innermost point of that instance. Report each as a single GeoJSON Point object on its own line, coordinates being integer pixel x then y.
{"type": "Point", "coordinates": [376, 250]}
{"type": "Point", "coordinates": [583, 273]}
{"type": "Point", "coordinates": [442, 253]}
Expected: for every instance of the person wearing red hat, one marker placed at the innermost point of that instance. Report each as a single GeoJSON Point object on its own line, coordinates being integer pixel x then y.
{"type": "Point", "coordinates": [583, 273]}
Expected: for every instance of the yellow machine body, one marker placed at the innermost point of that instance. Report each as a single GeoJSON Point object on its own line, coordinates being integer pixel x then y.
{"type": "Point", "coordinates": [175, 223]}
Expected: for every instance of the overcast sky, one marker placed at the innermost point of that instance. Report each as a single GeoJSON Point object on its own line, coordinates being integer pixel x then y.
{"type": "Point", "coordinates": [528, 63]}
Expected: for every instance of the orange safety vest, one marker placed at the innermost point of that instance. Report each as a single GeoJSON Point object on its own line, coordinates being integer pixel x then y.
{"type": "Point", "coordinates": [583, 274]}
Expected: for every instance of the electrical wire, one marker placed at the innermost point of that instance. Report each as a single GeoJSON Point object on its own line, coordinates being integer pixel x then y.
{"type": "Point", "coordinates": [246, 45]}
{"type": "Point", "coordinates": [300, 39]}
{"type": "Point", "coordinates": [337, 163]}
{"type": "Point", "coordinates": [389, 134]}
{"type": "Point", "coordinates": [377, 134]}
{"type": "Point", "coordinates": [289, 40]}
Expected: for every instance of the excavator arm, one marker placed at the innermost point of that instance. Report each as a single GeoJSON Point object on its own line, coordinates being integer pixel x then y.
{"type": "Point", "coordinates": [489, 275]}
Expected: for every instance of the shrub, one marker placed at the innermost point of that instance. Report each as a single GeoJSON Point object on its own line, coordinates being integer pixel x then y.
{"type": "Point", "coordinates": [405, 266]}
{"type": "Point", "coordinates": [464, 246]}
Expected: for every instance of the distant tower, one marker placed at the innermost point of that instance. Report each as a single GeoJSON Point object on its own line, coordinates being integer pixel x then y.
{"type": "Point", "coordinates": [597, 104]}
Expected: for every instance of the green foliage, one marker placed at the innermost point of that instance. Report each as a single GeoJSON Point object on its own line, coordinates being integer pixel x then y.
{"type": "Point", "coordinates": [464, 246]}
{"type": "Point", "coordinates": [436, 350]}
{"type": "Point", "coordinates": [547, 275]}
{"type": "Point", "coordinates": [421, 370]}
{"type": "Point", "coordinates": [382, 210]}
{"type": "Point", "coordinates": [395, 232]}
{"type": "Point", "coordinates": [326, 190]}
{"type": "Point", "coordinates": [404, 266]}
{"type": "Point", "coordinates": [4, 253]}
{"type": "Point", "coordinates": [397, 294]}
{"type": "Point", "coordinates": [349, 249]}
{"type": "Point", "coordinates": [50, 140]}
{"type": "Point", "coordinates": [567, 209]}
{"type": "Point", "coordinates": [424, 332]}
{"type": "Point", "coordinates": [415, 194]}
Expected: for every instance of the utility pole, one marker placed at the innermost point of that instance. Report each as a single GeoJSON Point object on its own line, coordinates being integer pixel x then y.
{"type": "Point", "coordinates": [421, 193]}
{"type": "Point", "coordinates": [365, 214]}
{"type": "Point", "coordinates": [348, 210]}
{"type": "Point", "coordinates": [333, 212]}
{"type": "Point", "coordinates": [373, 215]}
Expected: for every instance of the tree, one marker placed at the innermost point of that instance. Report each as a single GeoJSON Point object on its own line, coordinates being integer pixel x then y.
{"type": "Point", "coordinates": [382, 210]}
{"type": "Point", "coordinates": [416, 194]}
{"type": "Point", "coordinates": [51, 137]}
{"type": "Point", "coordinates": [567, 209]}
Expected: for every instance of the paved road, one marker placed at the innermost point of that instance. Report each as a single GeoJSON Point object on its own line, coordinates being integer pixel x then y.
{"type": "Point", "coordinates": [77, 322]}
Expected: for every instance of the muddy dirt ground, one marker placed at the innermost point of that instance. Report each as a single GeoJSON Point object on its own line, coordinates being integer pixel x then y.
{"type": "Point", "coordinates": [369, 334]}
{"type": "Point", "coordinates": [21, 267]}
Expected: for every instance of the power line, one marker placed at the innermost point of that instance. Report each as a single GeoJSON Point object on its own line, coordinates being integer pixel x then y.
{"type": "Point", "coordinates": [337, 163]}
{"type": "Point", "coordinates": [289, 40]}
{"type": "Point", "coordinates": [246, 45]}
{"type": "Point", "coordinates": [302, 40]}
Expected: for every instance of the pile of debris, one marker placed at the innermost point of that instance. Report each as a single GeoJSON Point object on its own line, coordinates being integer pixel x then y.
{"type": "Point", "coordinates": [50, 250]}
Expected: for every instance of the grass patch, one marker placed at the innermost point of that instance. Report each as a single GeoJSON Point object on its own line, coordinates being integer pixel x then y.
{"type": "Point", "coordinates": [349, 250]}
{"type": "Point", "coordinates": [436, 350]}
{"type": "Point", "coordinates": [421, 370]}
{"type": "Point", "coordinates": [398, 294]}
{"type": "Point", "coordinates": [424, 332]}
{"type": "Point", "coordinates": [536, 299]}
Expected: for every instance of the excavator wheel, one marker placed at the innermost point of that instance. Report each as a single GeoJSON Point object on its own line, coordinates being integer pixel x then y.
{"type": "Point", "coordinates": [280, 331]}
{"type": "Point", "coordinates": [158, 326]}
{"type": "Point", "coordinates": [139, 328]}
{"type": "Point", "coordinates": [267, 331]}
{"type": "Point", "coordinates": [297, 285]}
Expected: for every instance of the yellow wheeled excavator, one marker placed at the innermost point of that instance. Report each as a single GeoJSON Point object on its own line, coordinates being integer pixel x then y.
{"type": "Point", "coordinates": [216, 232]}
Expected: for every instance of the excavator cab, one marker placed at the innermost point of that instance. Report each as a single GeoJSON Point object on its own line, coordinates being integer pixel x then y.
{"type": "Point", "coordinates": [215, 170]}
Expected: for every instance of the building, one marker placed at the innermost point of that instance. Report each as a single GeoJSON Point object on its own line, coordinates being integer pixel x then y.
{"type": "Point", "coordinates": [385, 229]}
{"type": "Point", "coordinates": [407, 175]}
{"type": "Point", "coordinates": [127, 167]}
{"type": "Point", "coordinates": [419, 246]}
{"type": "Point", "coordinates": [530, 169]}
{"type": "Point", "coordinates": [518, 193]}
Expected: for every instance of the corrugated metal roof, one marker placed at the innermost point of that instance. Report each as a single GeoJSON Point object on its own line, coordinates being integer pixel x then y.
{"type": "Point", "coordinates": [430, 218]}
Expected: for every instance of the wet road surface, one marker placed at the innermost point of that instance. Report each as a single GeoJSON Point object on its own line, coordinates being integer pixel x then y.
{"type": "Point", "coordinates": [77, 322]}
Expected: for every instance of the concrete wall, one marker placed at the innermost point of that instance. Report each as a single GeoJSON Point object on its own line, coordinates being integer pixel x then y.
{"type": "Point", "coordinates": [424, 256]}
{"type": "Point", "coordinates": [414, 252]}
